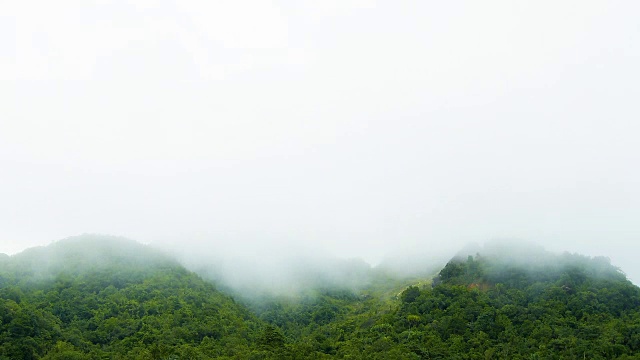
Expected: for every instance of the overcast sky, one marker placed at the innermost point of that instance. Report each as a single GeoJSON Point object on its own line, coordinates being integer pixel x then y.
{"type": "Point", "coordinates": [353, 127]}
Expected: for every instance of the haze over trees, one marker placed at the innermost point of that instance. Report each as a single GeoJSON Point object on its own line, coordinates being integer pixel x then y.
{"type": "Point", "coordinates": [92, 297]}
{"type": "Point", "coordinates": [306, 176]}
{"type": "Point", "coordinates": [358, 128]}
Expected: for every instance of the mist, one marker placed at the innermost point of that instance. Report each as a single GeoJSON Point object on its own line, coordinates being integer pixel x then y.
{"type": "Point", "coordinates": [256, 134]}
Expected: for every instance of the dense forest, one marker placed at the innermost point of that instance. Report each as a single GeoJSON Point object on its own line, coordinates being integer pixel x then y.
{"type": "Point", "coordinates": [95, 297]}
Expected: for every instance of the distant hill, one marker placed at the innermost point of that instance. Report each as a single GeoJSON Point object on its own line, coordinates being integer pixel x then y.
{"type": "Point", "coordinates": [288, 278]}
{"type": "Point", "coordinates": [86, 254]}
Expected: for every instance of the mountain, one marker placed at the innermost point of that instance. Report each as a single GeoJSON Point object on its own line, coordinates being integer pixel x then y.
{"type": "Point", "coordinates": [504, 302]}
{"type": "Point", "coordinates": [84, 255]}
{"type": "Point", "coordinates": [93, 297]}
{"type": "Point", "coordinates": [497, 306]}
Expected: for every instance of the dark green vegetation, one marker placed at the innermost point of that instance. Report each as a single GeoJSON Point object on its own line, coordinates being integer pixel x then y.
{"type": "Point", "coordinates": [109, 298]}
{"type": "Point", "coordinates": [551, 307]}
{"type": "Point", "coordinates": [95, 298]}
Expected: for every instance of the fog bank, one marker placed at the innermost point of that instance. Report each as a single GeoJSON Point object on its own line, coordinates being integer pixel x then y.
{"type": "Point", "coordinates": [356, 128]}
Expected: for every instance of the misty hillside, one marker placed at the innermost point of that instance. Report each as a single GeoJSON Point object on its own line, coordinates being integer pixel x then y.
{"type": "Point", "coordinates": [504, 302]}
{"type": "Point", "coordinates": [302, 179]}
{"type": "Point", "coordinates": [94, 297]}
{"type": "Point", "coordinates": [514, 303]}
{"type": "Point", "coordinates": [86, 254]}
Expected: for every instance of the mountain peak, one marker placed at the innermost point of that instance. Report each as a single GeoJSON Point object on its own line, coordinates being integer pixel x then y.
{"type": "Point", "coordinates": [88, 253]}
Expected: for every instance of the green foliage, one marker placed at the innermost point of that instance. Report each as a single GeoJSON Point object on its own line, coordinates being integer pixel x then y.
{"type": "Point", "coordinates": [271, 338]}
{"type": "Point", "coordinates": [566, 306]}
{"type": "Point", "coordinates": [131, 302]}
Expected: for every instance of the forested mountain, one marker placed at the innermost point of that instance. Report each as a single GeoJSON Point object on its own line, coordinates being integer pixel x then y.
{"type": "Point", "coordinates": [514, 304]}
{"type": "Point", "coordinates": [510, 303]}
{"type": "Point", "coordinates": [100, 297]}
{"type": "Point", "coordinates": [96, 297]}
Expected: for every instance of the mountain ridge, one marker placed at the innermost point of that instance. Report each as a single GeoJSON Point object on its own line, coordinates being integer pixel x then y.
{"type": "Point", "coordinates": [91, 297]}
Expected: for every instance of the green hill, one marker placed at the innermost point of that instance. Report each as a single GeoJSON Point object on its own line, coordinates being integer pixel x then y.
{"type": "Point", "coordinates": [101, 297]}
{"type": "Point", "coordinates": [503, 303]}
{"type": "Point", "coordinates": [95, 297]}
{"type": "Point", "coordinates": [512, 304]}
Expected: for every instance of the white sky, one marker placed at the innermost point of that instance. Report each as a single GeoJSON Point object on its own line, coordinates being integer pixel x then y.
{"type": "Point", "coordinates": [359, 128]}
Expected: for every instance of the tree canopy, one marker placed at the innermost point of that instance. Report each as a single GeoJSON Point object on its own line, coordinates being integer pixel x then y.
{"type": "Point", "coordinates": [96, 297]}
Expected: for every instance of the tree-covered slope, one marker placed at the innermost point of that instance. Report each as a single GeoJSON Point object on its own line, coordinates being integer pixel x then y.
{"type": "Point", "coordinates": [96, 297]}
{"type": "Point", "coordinates": [513, 305]}
{"type": "Point", "coordinates": [326, 323]}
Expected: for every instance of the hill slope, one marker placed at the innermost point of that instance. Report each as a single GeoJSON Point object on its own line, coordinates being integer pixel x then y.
{"type": "Point", "coordinates": [90, 297]}
{"type": "Point", "coordinates": [96, 297]}
{"type": "Point", "coordinates": [541, 306]}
